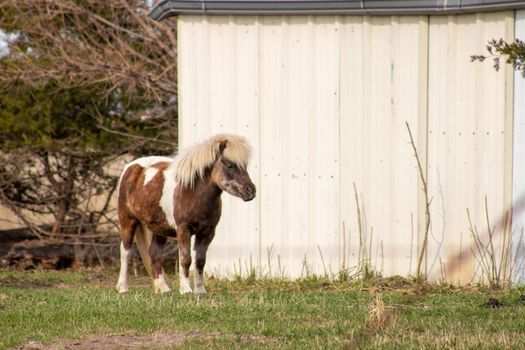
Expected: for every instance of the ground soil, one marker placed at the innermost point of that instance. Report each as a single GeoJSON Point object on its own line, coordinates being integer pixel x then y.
{"type": "Point", "coordinates": [157, 340]}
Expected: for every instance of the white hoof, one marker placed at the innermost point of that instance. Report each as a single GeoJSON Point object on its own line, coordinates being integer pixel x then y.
{"type": "Point", "coordinates": [186, 290]}
{"type": "Point", "coordinates": [162, 289]}
{"type": "Point", "coordinates": [200, 290]}
{"type": "Point", "coordinates": [184, 285]}
{"type": "Point", "coordinates": [160, 285]}
{"type": "Point", "coordinates": [122, 287]}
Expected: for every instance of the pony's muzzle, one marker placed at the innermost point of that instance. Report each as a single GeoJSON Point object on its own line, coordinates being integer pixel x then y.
{"type": "Point", "coordinates": [249, 192]}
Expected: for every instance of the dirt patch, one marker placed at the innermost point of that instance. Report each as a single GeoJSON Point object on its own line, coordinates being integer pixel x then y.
{"type": "Point", "coordinates": [22, 283]}
{"type": "Point", "coordinates": [157, 340]}
{"type": "Point", "coordinates": [121, 341]}
{"type": "Point", "coordinates": [493, 303]}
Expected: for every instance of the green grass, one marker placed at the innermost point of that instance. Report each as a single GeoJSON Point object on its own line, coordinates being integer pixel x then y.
{"type": "Point", "coordinates": [272, 314]}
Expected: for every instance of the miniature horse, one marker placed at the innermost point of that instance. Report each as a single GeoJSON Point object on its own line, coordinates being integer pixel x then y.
{"type": "Point", "coordinates": [162, 197]}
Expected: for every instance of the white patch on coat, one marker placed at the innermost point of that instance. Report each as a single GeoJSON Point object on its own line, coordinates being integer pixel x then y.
{"type": "Point", "coordinates": [125, 256]}
{"type": "Point", "coordinates": [168, 191]}
{"type": "Point", "coordinates": [160, 284]}
{"type": "Point", "coordinates": [144, 162]}
{"type": "Point", "coordinates": [149, 174]}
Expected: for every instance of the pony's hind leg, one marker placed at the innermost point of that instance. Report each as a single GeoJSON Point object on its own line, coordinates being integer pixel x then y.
{"type": "Point", "coordinates": [128, 226]}
{"type": "Point", "coordinates": [125, 256]}
{"type": "Point", "coordinates": [201, 247]}
{"type": "Point", "coordinates": [184, 245]}
{"type": "Point", "coordinates": [155, 253]}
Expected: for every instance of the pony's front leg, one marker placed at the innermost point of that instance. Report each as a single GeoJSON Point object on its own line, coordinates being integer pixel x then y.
{"type": "Point", "coordinates": [184, 245]}
{"type": "Point", "coordinates": [201, 247]}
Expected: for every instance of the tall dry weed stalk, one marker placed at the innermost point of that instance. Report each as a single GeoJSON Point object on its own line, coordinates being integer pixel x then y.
{"type": "Point", "coordinates": [379, 318]}
{"type": "Point", "coordinates": [496, 266]}
{"type": "Point", "coordinates": [422, 177]}
{"type": "Point", "coordinates": [364, 256]}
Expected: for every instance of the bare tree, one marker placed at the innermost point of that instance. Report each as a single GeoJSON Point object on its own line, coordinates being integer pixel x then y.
{"type": "Point", "coordinates": [83, 82]}
{"type": "Point", "coordinates": [81, 43]}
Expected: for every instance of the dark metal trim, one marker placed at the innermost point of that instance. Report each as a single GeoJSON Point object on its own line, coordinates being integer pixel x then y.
{"type": "Point", "coordinates": [167, 8]}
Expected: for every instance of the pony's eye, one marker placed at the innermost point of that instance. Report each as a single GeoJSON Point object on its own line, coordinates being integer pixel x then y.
{"type": "Point", "coordinates": [229, 166]}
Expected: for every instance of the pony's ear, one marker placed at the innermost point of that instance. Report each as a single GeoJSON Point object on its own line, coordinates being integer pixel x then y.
{"type": "Point", "coordinates": [222, 146]}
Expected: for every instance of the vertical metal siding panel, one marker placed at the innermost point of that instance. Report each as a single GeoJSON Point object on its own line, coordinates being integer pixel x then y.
{"type": "Point", "coordinates": [323, 243]}
{"type": "Point", "coordinates": [508, 132]}
{"type": "Point", "coordinates": [518, 190]}
{"type": "Point", "coordinates": [377, 189]}
{"type": "Point", "coordinates": [222, 82]}
{"type": "Point", "coordinates": [422, 146]}
{"type": "Point", "coordinates": [376, 155]}
{"type": "Point", "coordinates": [410, 65]}
{"type": "Point", "coordinates": [184, 36]}
{"type": "Point", "coordinates": [438, 52]}
{"type": "Point", "coordinates": [197, 106]}
{"type": "Point", "coordinates": [352, 124]}
{"type": "Point", "coordinates": [467, 121]}
{"type": "Point", "coordinates": [273, 39]}
{"type": "Point", "coordinates": [192, 71]}
{"type": "Point", "coordinates": [297, 226]}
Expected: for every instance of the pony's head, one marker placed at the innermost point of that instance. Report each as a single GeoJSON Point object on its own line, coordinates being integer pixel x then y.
{"type": "Point", "coordinates": [225, 157]}
{"type": "Point", "coordinates": [230, 175]}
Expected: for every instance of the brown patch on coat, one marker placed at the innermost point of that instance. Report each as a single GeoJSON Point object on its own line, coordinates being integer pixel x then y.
{"type": "Point", "coordinates": [142, 202]}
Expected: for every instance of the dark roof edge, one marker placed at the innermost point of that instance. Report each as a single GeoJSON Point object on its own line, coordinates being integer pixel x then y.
{"type": "Point", "coordinates": [168, 8]}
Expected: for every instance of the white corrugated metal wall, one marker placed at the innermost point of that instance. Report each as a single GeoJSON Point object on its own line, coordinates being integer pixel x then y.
{"type": "Point", "coordinates": [518, 185]}
{"type": "Point", "coordinates": [324, 100]}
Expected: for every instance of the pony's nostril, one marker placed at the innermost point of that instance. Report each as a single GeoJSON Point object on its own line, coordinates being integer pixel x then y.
{"type": "Point", "coordinates": [250, 189]}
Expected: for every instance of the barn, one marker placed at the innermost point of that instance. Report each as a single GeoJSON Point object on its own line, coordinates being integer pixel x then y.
{"type": "Point", "coordinates": [354, 108]}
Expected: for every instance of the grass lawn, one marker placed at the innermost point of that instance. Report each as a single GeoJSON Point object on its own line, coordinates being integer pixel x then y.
{"type": "Point", "coordinates": [50, 307]}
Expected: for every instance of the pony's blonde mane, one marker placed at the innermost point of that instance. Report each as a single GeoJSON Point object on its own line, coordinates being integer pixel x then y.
{"type": "Point", "coordinates": [191, 162]}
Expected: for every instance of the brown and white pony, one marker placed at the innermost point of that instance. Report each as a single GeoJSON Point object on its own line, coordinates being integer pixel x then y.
{"type": "Point", "coordinates": [180, 197]}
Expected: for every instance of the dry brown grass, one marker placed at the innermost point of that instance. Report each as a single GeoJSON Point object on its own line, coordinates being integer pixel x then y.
{"type": "Point", "coordinates": [378, 320]}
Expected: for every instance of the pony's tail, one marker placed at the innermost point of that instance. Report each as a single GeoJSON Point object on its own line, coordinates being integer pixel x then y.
{"type": "Point", "coordinates": [143, 239]}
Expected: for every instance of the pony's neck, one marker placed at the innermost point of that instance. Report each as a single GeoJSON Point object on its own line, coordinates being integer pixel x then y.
{"type": "Point", "coordinates": [207, 190]}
